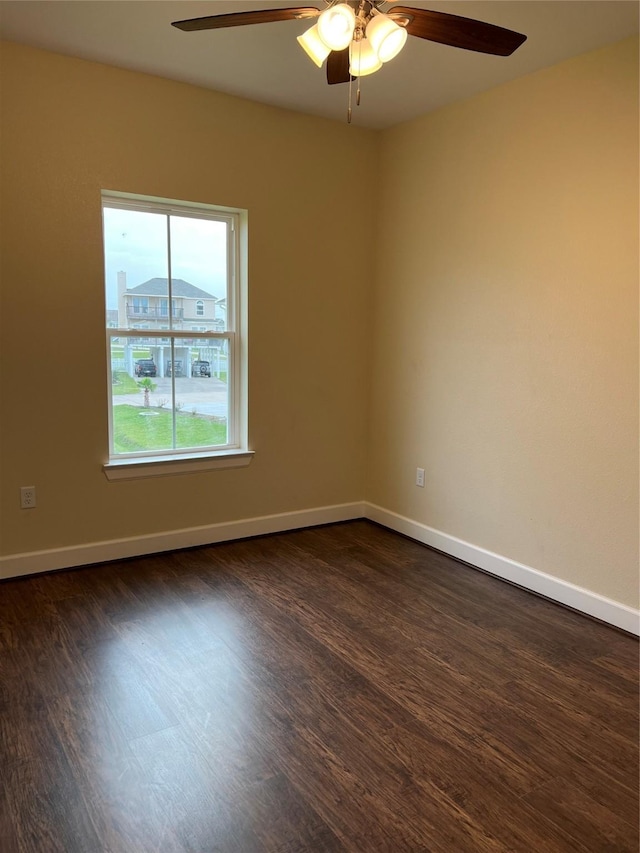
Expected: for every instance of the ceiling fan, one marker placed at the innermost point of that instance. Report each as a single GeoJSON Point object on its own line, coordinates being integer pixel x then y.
{"type": "Point", "coordinates": [357, 37]}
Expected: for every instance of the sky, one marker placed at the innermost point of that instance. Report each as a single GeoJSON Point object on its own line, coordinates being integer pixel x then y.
{"type": "Point", "coordinates": [136, 243]}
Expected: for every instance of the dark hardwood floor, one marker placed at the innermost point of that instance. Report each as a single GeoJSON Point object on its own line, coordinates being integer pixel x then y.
{"type": "Point", "coordinates": [333, 689]}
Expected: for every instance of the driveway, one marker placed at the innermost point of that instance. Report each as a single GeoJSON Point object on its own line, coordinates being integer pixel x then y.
{"type": "Point", "coordinates": [207, 396]}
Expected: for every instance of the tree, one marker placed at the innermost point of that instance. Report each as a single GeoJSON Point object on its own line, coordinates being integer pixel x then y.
{"type": "Point", "coordinates": [147, 386]}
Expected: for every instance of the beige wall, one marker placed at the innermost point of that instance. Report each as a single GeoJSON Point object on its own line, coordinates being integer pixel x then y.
{"type": "Point", "coordinates": [502, 356]}
{"type": "Point", "coordinates": [71, 128]}
{"type": "Point", "coordinates": [506, 322]}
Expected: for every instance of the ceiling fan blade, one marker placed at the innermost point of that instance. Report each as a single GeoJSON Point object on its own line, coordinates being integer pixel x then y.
{"type": "Point", "coordinates": [241, 19]}
{"type": "Point", "coordinates": [338, 67]}
{"type": "Point", "coordinates": [457, 31]}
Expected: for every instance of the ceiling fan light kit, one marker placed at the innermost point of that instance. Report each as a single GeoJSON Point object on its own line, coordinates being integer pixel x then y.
{"type": "Point", "coordinates": [343, 25]}
{"type": "Point", "coordinates": [336, 25]}
{"type": "Point", "coordinates": [386, 37]}
{"type": "Point", "coordinates": [363, 59]}
{"type": "Point", "coordinates": [356, 36]}
{"type": "Point", "coordinates": [313, 45]}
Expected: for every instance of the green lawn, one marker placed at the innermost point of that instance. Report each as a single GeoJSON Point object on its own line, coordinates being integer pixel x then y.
{"type": "Point", "coordinates": [137, 429]}
{"type": "Point", "coordinates": [123, 383]}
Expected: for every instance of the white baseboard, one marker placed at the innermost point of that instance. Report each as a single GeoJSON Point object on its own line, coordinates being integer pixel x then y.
{"type": "Point", "coordinates": [172, 540]}
{"type": "Point", "coordinates": [551, 587]}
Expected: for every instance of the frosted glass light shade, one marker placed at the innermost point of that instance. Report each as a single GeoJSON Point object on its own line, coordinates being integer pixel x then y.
{"type": "Point", "coordinates": [313, 45]}
{"type": "Point", "coordinates": [336, 25]}
{"type": "Point", "coordinates": [386, 37]}
{"type": "Point", "coordinates": [363, 59]}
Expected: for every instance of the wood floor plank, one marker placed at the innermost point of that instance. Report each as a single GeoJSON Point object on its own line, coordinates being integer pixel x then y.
{"type": "Point", "coordinates": [47, 807]}
{"type": "Point", "coordinates": [587, 821]}
{"type": "Point", "coordinates": [339, 689]}
{"type": "Point", "coordinates": [106, 770]}
{"type": "Point", "coordinates": [8, 835]}
{"type": "Point", "coordinates": [137, 704]}
{"type": "Point", "coordinates": [284, 822]}
{"type": "Point", "coordinates": [477, 596]}
{"type": "Point", "coordinates": [468, 649]}
{"type": "Point", "coordinates": [537, 836]}
{"type": "Point", "coordinates": [190, 795]}
{"type": "Point", "coordinates": [429, 690]}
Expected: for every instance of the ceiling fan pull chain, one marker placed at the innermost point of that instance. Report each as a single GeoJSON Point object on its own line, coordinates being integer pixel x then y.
{"type": "Point", "coordinates": [349, 107]}
{"type": "Point", "coordinates": [359, 67]}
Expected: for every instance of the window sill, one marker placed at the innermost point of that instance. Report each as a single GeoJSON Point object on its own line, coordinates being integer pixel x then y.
{"type": "Point", "coordinates": [135, 469]}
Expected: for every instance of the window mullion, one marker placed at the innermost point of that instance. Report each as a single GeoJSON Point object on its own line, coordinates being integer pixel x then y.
{"type": "Point", "coordinates": [171, 339]}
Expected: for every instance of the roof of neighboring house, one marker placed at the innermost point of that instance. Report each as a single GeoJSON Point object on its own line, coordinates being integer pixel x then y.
{"type": "Point", "coordinates": [159, 287]}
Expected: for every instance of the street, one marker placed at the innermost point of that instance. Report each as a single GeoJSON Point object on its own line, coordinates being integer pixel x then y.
{"type": "Point", "coordinates": [207, 396]}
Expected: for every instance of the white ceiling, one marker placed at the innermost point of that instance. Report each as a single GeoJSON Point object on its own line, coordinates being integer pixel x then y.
{"type": "Point", "coordinates": [265, 63]}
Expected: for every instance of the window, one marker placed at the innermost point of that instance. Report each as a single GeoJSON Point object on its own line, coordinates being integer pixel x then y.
{"type": "Point", "coordinates": [164, 308]}
{"type": "Point", "coordinates": [173, 394]}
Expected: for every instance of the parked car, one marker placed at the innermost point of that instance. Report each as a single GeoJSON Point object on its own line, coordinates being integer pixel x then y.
{"type": "Point", "coordinates": [201, 368]}
{"type": "Point", "coordinates": [145, 367]}
{"type": "Point", "coordinates": [175, 367]}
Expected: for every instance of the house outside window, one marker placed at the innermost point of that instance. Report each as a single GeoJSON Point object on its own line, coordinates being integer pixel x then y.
{"type": "Point", "coordinates": [176, 391]}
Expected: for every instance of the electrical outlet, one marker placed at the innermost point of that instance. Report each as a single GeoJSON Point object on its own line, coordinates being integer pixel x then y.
{"type": "Point", "coordinates": [27, 497]}
{"type": "Point", "coordinates": [420, 477]}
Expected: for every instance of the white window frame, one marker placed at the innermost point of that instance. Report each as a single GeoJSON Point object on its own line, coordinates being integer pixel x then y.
{"type": "Point", "coordinates": [236, 452]}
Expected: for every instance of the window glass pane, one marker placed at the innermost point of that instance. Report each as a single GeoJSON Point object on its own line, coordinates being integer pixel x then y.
{"type": "Point", "coordinates": [201, 393]}
{"type": "Point", "coordinates": [166, 397]}
{"type": "Point", "coordinates": [142, 417]}
{"type": "Point", "coordinates": [199, 270]}
{"type": "Point", "coordinates": [135, 248]}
